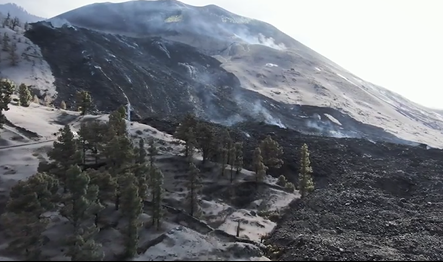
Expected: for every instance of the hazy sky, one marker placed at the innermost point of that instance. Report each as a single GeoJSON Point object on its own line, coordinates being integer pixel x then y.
{"type": "Point", "coordinates": [397, 44]}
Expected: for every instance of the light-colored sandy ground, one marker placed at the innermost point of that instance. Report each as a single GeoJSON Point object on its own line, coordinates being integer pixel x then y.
{"type": "Point", "coordinates": [20, 153]}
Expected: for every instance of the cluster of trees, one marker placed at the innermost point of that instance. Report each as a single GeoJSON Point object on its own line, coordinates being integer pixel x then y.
{"type": "Point", "coordinates": [9, 46]}
{"type": "Point", "coordinates": [101, 167]}
{"type": "Point", "coordinates": [83, 100]}
{"type": "Point", "coordinates": [12, 22]}
{"type": "Point", "coordinates": [73, 184]}
{"type": "Point", "coordinates": [7, 88]}
{"type": "Point", "coordinates": [218, 146]}
{"type": "Point", "coordinates": [6, 91]}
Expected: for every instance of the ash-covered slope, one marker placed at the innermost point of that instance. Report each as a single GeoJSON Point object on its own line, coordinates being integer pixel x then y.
{"type": "Point", "coordinates": [267, 63]}
{"type": "Point", "coordinates": [167, 79]}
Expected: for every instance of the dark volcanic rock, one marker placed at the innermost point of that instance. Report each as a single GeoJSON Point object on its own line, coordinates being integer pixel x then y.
{"type": "Point", "coordinates": [373, 201]}
{"type": "Point", "coordinates": [156, 76]}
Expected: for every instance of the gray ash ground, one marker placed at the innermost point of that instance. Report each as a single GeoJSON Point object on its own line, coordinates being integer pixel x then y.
{"type": "Point", "coordinates": [373, 201]}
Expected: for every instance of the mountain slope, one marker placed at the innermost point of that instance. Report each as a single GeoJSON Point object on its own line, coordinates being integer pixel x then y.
{"type": "Point", "coordinates": [271, 70]}
{"type": "Point", "coordinates": [18, 11]}
{"type": "Point", "coordinates": [168, 79]}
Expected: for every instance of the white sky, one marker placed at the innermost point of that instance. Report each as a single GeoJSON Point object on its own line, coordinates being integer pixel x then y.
{"type": "Point", "coordinates": [397, 44]}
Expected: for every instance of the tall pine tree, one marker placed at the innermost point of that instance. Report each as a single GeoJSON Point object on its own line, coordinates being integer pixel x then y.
{"type": "Point", "coordinates": [84, 102]}
{"type": "Point", "coordinates": [6, 91]}
{"type": "Point", "coordinates": [271, 152]}
{"type": "Point", "coordinates": [306, 185]}
{"type": "Point", "coordinates": [23, 218]}
{"type": "Point", "coordinates": [142, 170]}
{"type": "Point", "coordinates": [157, 198]}
{"type": "Point", "coordinates": [24, 95]}
{"type": "Point", "coordinates": [182, 131]}
{"type": "Point", "coordinates": [119, 153]}
{"type": "Point", "coordinates": [81, 202]}
{"type": "Point", "coordinates": [194, 185]}
{"type": "Point", "coordinates": [131, 208]}
{"type": "Point", "coordinates": [64, 153]}
{"type": "Point", "coordinates": [83, 247]}
{"type": "Point", "coordinates": [259, 166]}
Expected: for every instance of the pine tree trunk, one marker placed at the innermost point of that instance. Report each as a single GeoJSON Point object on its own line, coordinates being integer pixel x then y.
{"type": "Point", "coordinates": [96, 219]}
{"type": "Point", "coordinates": [117, 201]}
{"type": "Point", "coordinates": [192, 201]}
{"type": "Point", "coordinates": [204, 156]}
{"type": "Point", "coordinates": [154, 207]}
{"type": "Point", "coordinates": [232, 173]}
{"type": "Point", "coordinates": [84, 152]}
{"type": "Point", "coordinates": [96, 155]}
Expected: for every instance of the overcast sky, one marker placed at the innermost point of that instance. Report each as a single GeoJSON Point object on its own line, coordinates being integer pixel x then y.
{"type": "Point", "coordinates": [397, 44]}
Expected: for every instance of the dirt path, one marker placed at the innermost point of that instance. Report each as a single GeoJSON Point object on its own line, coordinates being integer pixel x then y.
{"type": "Point", "coordinates": [27, 144]}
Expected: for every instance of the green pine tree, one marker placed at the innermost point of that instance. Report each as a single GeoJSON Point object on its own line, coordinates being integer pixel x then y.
{"type": "Point", "coordinates": [142, 170]}
{"type": "Point", "coordinates": [131, 207]}
{"type": "Point", "coordinates": [6, 42]}
{"type": "Point", "coordinates": [193, 185]}
{"type": "Point", "coordinates": [306, 185]}
{"type": "Point", "coordinates": [190, 144]}
{"type": "Point", "coordinates": [259, 166]}
{"type": "Point", "coordinates": [271, 152]}
{"type": "Point", "coordinates": [119, 153]}
{"type": "Point", "coordinates": [81, 202]}
{"type": "Point", "coordinates": [84, 100]}
{"type": "Point", "coordinates": [23, 219]}
{"type": "Point", "coordinates": [238, 162]}
{"type": "Point", "coordinates": [94, 135]}
{"type": "Point", "coordinates": [64, 153]}
{"type": "Point", "coordinates": [152, 153]}
{"type": "Point", "coordinates": [157, 193]}
{"type": "Point", "coordinates": [224, 150]}
{"type": "Point", "coordinates": [182, 131]}
{"type": "Point", "coordinates": [83, 247]}
{"type": "Point", "coordinates": [205, 139]}
{"type": "Point", "coordinates": [117, 124]}
{"type": "Point", "coordinates": [24, 95]}
{"type": "Point", "coordinates": [6, 91]}
{"type": "Point", "coordinates": [107, 189]}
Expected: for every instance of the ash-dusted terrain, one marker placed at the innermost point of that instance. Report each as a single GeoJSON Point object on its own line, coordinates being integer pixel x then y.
{"type": "Point", "coordinates": [377, 198]}
{"type": "Point", "coordinates": [30, 134]}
